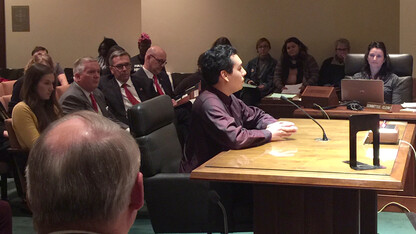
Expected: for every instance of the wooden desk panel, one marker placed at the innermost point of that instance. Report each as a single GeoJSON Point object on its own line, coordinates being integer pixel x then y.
{"type": "Point", "coordinates": [406, 197]}
{"type": "Point", "coordinates": [302, 186]}
{"type": "Point", "coordinates": [303, 160]}
{"type": "Point", "coordinates": [342, 112]}
{"type": "Point", "coordinates": [278, 108]}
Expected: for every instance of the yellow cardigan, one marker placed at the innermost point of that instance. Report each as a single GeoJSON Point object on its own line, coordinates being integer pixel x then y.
{"type": "Point", "coordinates": [25, 125]}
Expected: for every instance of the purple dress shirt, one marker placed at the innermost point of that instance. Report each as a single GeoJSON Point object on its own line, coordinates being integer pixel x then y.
{"type": "Point", "coordinates": [220, 123]}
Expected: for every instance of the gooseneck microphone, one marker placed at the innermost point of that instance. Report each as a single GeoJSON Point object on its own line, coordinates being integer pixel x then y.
{"type": "Point", "coordinates": [324, 137]}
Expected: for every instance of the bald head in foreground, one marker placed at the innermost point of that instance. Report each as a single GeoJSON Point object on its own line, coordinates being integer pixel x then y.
{"type": "Point", "coordinates": [83, 175]}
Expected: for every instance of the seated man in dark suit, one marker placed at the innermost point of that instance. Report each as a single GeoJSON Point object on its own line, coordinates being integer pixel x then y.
{"type": "Point", "coordinates": [121, 90]}
{"type": "Point", "coordinates": [156, 82]}
{"type": "Point", "coordinates": [83, 93]}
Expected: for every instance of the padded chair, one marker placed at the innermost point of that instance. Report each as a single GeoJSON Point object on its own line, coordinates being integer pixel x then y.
{"type": "Point", "coordinates": [401, 64]}
{"type": "Point", "coordinates": [178, 77]}
{"type": "Point", "coordinates": [60, 90]}
{"type": "Point", "coordinates": [5, 101]}
{"type": "Point", "coordinates": [175, 203]}
{"type": "Point", "coordinates": [69, 75]}
{"type": "Point", "coordinates": [1, 90]}
{"type": "Point", "coordinates": [8, 87]}
{"type": "Point", "coordinates": [19, 158]}
{"type": "Point", "coordinates": [4, 173]}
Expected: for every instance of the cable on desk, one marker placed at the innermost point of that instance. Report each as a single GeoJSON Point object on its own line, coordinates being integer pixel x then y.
{"type": "Point", "coordinates": [394, 203]}
{"type": "Point", "coordinates": [322, 110]}
{"type": "Point", "coordinates": [411, 146]}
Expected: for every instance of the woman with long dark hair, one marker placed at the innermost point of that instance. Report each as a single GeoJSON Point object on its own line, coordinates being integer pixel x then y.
{"type": "Point", "coordinates": [377, 67]}
{"type": "Point", "coordinates": [44, 59]}
{"type": "Point", "coordinates": [295, 66]}
{"type": "Point", "coordinates": [39, 107]}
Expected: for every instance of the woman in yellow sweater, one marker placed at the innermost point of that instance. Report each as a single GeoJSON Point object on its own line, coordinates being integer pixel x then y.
{"type": "Point", "coordinates": [39, 106]}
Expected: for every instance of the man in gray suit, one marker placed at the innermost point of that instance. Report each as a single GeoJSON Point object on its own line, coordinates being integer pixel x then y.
{"type": "Point", "coordinates": [83, 93]}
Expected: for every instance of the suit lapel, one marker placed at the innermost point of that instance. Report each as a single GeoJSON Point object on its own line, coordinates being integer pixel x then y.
{"type": "Point", "coordinates": [86, 99]}
{"type": "Point", "coordinates": [118, 97]}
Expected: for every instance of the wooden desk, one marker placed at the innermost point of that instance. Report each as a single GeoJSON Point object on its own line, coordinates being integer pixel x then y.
{"type": "Point", "coordinates": [302, 186]}
{"type": "Point", "coordinates": [278, 108]}
{"type": "Point", "coordinates": [407, 197]}
{"type": "Point", "coordinates": [342, 112]}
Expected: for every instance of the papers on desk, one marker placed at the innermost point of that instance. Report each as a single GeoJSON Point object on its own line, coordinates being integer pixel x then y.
{"type": "Point", "coordinates": [245, 85]}
{"type": "Point", "coordinates": [409, 107]}
{"type": "Point", "coordinates": [292, 89]}
{"type": "Point", "coordinates": [384, 154]}
{"type": "Point", "coordinates": [279, 95]}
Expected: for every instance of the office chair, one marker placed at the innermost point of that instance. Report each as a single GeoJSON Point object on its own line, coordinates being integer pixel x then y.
{"type": "Point", "coordinates": [401, 65]}
{"type": "Point", "coordinates": [19, 158]}
{"type": "Point", "coordinates": [4, 173]}
{"type": "Point", "coordinates": [175, 203]}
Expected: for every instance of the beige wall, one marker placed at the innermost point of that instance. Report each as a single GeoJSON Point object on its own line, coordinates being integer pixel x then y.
{"type": "Point", "coordinates": [72, 28]}
{"type": "Point", "coordinates": [408, 28]}
{"type": "Point", "coordinates": [185, 28]}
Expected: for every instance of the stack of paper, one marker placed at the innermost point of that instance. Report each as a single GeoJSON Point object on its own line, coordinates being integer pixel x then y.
{"type": "Point", "coordinates": [409, 107]}
{"type": "Point", "coordinates": [292, 89]}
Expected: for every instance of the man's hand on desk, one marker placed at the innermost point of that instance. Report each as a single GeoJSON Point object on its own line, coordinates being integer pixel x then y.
{"type": "Point", "coordinates": [281, 129]}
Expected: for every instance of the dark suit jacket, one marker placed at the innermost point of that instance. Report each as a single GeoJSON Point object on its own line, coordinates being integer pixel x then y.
{"type": "Point", "coordinates": [114, 98]}
{"type": "Point", "coordinates": [74, 99]}
{"type": "Point", "coordinates": [148, 89]}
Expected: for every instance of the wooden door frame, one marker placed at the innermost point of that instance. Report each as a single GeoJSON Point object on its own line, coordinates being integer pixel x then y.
{"type": "Point", "coordinates": [2, 35]}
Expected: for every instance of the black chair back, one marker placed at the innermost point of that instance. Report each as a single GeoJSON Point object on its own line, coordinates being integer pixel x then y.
{"type": "Point", "coordinates": [401, 64]}
{"type": "Point", "coordinates": [152, 125]}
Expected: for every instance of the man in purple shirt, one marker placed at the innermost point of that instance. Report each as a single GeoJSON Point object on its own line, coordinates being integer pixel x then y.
{"type": "Point", "coordinates": [220, 121]}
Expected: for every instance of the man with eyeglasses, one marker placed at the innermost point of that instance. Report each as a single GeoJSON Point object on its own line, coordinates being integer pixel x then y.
{"type": "Point", "coordinates": [158, 83]}
{"type": "Point", "coordinates": [332, 69]}
{"type": "Point", "coordinates": [153, 71]}
{"type": "Point", "coordinates": [121, 90]}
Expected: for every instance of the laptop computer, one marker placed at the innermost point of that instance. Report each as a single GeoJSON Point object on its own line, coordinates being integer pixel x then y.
{"type": "Point", "coordinates": [363, 91]}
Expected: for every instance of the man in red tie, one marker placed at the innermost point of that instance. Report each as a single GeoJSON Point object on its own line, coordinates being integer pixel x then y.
{"type": "Point", "coordinates": [83, 93]}
{"type": "Point", "coordinates": [121, 90]}
{"type": "Point", "coordinates": [154, 70]}
{"type": "Point", "coordinates": [156, 82]}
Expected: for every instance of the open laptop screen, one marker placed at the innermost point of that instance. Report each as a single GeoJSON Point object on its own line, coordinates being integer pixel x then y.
{"type": "Point", "coordinates": [362, 90]}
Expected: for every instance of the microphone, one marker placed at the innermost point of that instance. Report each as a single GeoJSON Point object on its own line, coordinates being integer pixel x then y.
{"type": "Point", "coordinates": [215, 198]}
{"type": "Point", "coordinates": [324, 137]}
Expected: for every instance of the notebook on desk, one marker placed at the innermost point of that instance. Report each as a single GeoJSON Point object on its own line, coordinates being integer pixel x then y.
{"type": "Point", "coordinates": [362, 90]}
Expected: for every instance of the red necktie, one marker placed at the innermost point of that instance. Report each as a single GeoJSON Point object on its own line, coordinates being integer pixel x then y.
{"type": "Point", "coordinates": [159, 89]}
{"type": "Point", "coordinates": [94, 103]}
{"type": "Point", "coordinates": [129, 95]}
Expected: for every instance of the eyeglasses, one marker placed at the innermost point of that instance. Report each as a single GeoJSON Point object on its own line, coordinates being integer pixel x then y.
{"type": "Point", "coordinates": [121, 66]}
{"type": "Point", "coordinates": [342, 49]}
{"type": "Point", "coordinates": [160, 61]}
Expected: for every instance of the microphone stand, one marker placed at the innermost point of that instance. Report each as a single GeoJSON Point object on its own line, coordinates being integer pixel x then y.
{"type": "Point", "coordinates": [324, 137]}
